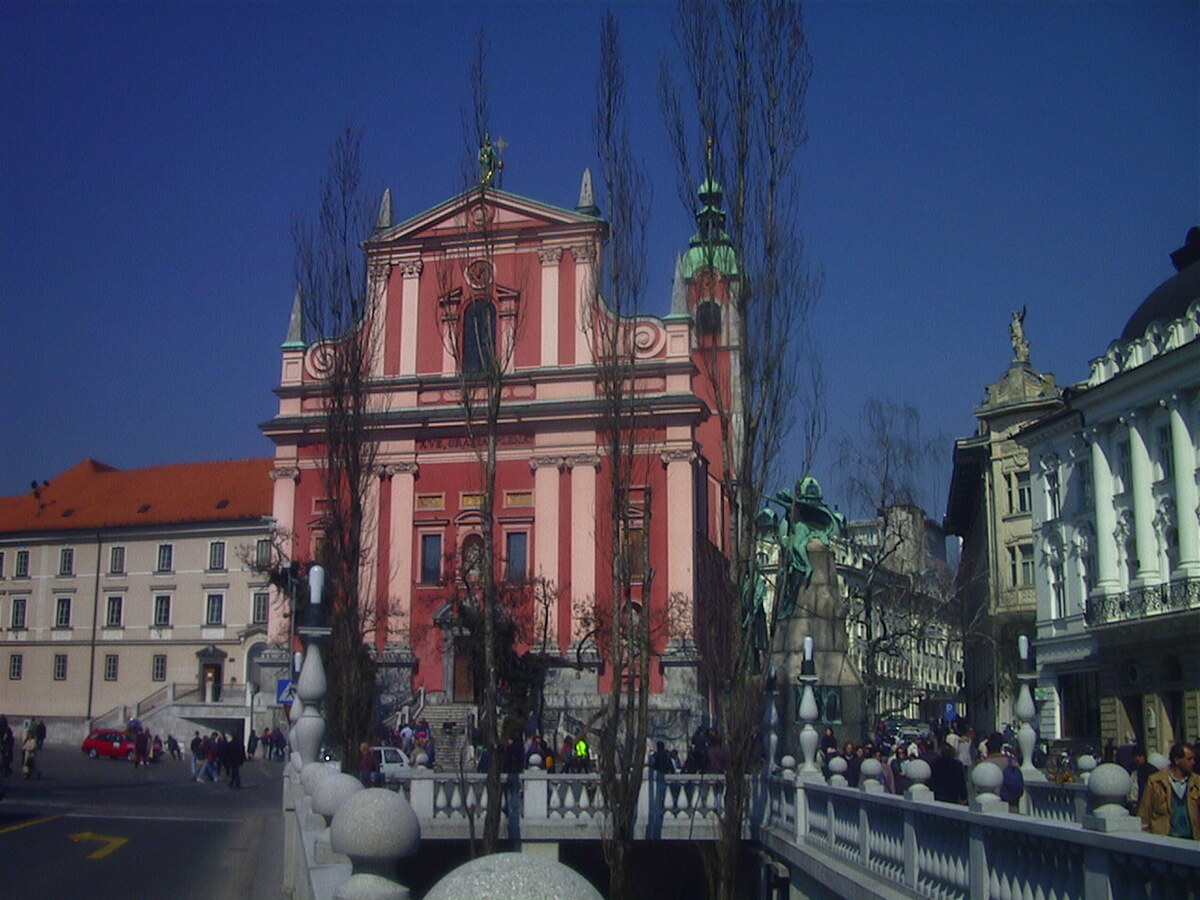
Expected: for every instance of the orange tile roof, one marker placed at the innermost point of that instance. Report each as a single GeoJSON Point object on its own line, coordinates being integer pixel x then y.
{"type": "Point", "coordinates": [94, 495]}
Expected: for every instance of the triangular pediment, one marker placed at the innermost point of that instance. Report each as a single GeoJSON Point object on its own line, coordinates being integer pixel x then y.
{"type": "Point", "coordinates": [506, 213]}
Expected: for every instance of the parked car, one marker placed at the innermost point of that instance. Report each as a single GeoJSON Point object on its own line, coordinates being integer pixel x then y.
{"type": "Point", "coordinates": [109, 742]}
{"type": "Point", "coordinates": [392, 762]}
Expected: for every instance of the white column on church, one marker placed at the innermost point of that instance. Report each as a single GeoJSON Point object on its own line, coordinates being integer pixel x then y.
{"type": "Point", "coordinates": [402, 560]}
{"type": "Point", "coordinates": [583, 534]}
{"type": "Point", "coordinates": [1106, 514]}
{"type": "Point", "coordinates": [378, 275]}
{"type": "Point", "coordinates": [1187, 503]}
{"type": "Point", "coordinates": [283, 507]}
{"type": "Point", "coordinates": [585, 259]}
{"type": "Point", "coordinates": [681, 533]}
{"type": "Point", "coordinates": [546, 532]}
{"type": "Point", "coordinates": [1143, 498]}
{"type": "Point", "coordinates": [408, 316]}
{"type": "Point", "coordinates": [549, 306]}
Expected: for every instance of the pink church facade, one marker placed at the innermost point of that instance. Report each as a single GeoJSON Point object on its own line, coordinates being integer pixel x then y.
{"type": "Point", "coordinates": [535, 277]}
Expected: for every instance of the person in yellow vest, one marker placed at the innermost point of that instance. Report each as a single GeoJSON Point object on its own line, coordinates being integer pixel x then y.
{"type": "Point", "coordinates": [583, 760]}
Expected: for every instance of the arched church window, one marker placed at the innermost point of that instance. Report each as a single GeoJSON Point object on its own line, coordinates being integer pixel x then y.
{"type": "Point", "coordinates": [479, 337]}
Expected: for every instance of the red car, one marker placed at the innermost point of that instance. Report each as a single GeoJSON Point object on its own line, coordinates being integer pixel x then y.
{"type": "Point", "coordinates": [109, 742]}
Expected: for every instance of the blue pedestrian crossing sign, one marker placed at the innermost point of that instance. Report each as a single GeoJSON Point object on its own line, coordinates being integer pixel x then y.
{"type": "Point", "coordinates": [285, 692]}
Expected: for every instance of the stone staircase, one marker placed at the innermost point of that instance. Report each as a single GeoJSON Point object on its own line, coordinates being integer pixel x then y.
{"type": "Point", "coordinates": [450, 725]}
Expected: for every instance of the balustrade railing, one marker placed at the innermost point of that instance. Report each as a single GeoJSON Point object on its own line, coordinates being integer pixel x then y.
{"type": "Point", "coordinates": [948, 852]}
{"type": "Point", "coordinates": [1142, 602]}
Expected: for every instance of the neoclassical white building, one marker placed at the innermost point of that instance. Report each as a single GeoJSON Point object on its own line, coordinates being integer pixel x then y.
{"type": "Point", "coordinates": [1117, 540]}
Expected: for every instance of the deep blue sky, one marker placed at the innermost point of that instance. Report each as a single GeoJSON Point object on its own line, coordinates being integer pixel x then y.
{"type": "Point", "coordinates": [964, 159]}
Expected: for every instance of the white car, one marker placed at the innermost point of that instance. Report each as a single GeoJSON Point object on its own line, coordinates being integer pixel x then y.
{"type": "Point", "coordinates": [392, 762]}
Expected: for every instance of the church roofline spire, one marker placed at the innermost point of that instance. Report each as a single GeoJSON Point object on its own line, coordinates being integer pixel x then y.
{"type": "Point", "coordinates": [295, 332]}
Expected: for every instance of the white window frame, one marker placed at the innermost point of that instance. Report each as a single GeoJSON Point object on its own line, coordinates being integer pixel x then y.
{"type": "Point", "coordinates": [114, 602]}
{"type": "Point", "coordinates": [112, 667]}
{"type": "Point", "coordinates": [262, 598]}
{"type": "Point", "coordinates": [61, 604]}
{"type": "Point", "coordinates": [16, 666]}
{"type": "Point", "coordinates": [22, 566]}
{"type": "Point", "coordinates": [60, 667]}
{"type": "Point", "coordinates": [262, 552]}
{"type": "Point", "coordinates": [166, 554]}
{"type": "Point", "coordinates": [66, 561]}
{"type": "Point", "coordinates": [22, 604]}
{"type": "Point", "coordinates": [216, 556]}
{"type": "Point", "coordinates": [164, 621]}
{"type": "Point", "coordinates": [1, 563]}
{"type": "Point", "coordinates": [158, 667]}
{"type": "Point", "coordinates": [116, 560]}
{"type": "Point", "coordinates": [209, 600]}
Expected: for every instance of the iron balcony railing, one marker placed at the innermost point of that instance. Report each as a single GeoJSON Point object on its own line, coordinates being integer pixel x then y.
{"type": "Point", "coordinates": [1143, 602]}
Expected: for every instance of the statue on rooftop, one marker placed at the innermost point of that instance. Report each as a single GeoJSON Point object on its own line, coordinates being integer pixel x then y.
{"type": "Point", "coordinates": [1016, 331]}
{"type": "Point", "coordinates": [489, 162]}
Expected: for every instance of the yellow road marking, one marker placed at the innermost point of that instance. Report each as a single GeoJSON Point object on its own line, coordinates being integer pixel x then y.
{"type": "Point", "coordinates": [112, 842]}
{"type": "Point", "coordinates": [27, 824]}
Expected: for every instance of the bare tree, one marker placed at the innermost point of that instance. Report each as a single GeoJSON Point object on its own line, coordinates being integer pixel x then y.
{"type": "Point", "coordinates": [481, 318]}
{"type": "Point", "coordinates": [747, 71]}
{"type": "Point", "coordinates": [339, 310]}
{"type": "Point", "coordinates": [900, 596]}
{"type": "Point", "coordinates": [615, 296]}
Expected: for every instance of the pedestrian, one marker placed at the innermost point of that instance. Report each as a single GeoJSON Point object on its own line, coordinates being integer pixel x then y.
{"type": "Point", "coordinates": [279, 739]}
{"type": "Point", "coordinates": [717, 758]}
{"type": "Point", "coordinates": [512, 764]}
{"type": "Point", "coordinates": [29, 756]}
{"type": "Point", "coordinates": [368, 765]}
{"type": "Point", "coordinates": [1170, 804]}
{"type": "Point", "coordinates": [252, 744]}
{"type": "Point", "coordinates": [196, 746]}
{"type": "Point", "coordinates": [173, 748]}
{"type": "Point", "coordinates": [235, 755]}
{"type": "Point", "coordinates": [1142, 771]}
{"type": "Point", "coordinates": [660, 767]}
{"type": "Point", "coordinates": [966, 748]}
{"type": "Point", "coordinates": [7, 743]}
{"type": "Point", "coordinates": [39, 732]}
{"type": "Point", "coordinates": [947, 777]}
{"type": "Point", "coordinates": [141, 748]}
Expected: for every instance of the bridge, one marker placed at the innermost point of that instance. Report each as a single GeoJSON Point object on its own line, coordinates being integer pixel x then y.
{"type": "Point", "coordinates": [820, 840]}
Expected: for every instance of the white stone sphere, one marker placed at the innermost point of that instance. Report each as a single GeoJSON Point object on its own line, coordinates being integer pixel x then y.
{"type": "Point", "coordinates": [505, 876]}
{"type": "Point", "coordinates": [837, 765]}
{"type": "Point", "coordinates": [330, 793]}
{"type": "Point", "coordinates": [1086, 763]}
{"type": "Point", "coordinates": [987, 777]}
{"type": "Point", "coordinates": [375, 825]}
{"type": "Point", "coordinates": [1157, 760]}
{"type": "Point", "coordinates": [871, 768]}
{"type": "Point", "coordinates": [1109, 783]}
{"type": "Point", "coordinates": [788, 762]}
{"type": "Point", "coordinates": [369, 886]}
{"type": "Point", "coordinates": [917, 770]}
{"type": "Point", "coordinates": [535, 761]}
{"type": "Point", "coordinates": [312, 774]}
{"type": "Point", "coordinates": [421, 760]}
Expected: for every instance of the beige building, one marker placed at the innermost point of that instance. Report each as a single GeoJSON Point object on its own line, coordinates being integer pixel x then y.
{"type": "Point", "coordinates": [130, 594]}
{"type": "Point", "coordinates": [990, 508]}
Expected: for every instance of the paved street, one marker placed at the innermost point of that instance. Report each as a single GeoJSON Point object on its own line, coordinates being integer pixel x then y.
{"type": "Point", "coordinates": [152, 832]}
